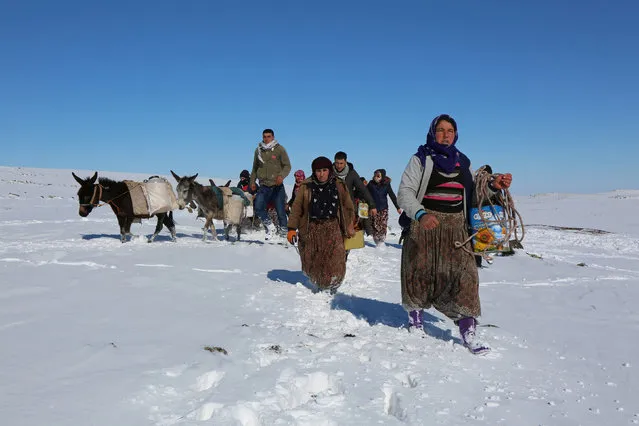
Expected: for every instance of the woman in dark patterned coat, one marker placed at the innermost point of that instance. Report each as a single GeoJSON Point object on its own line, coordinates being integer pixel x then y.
{"type": "Point", "coordinates": [380, 188]}
{"type": "Point", "coordinates": [323, 214]}
{"type": "Point", "coordinates": [435, 192]}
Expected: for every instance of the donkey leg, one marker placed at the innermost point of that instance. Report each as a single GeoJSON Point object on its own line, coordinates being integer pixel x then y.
{"type": "Point", "coordinates": [213, 230]}
{"type": "Point", "coordinates": [158, 227]}
{"type": "Point", "coordinates": [205, 229]}
{"type": "Point", "coordinates": [227, 229]}
{"type": "Point", "coordinates": [122, 223]}
{"type": "Point", "coordinates": [128, 221]}
{"type": "Point", "coordinates": [168, 222]}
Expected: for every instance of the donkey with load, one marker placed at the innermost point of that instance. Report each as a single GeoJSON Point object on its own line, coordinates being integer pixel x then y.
{"type": "Point", "coordinates": [216, 202]}
{"type": "Point", "coordinates": [130, 201]}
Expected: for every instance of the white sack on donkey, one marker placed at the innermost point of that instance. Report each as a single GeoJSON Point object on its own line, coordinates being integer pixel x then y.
{"type": "Point", "coordinates": [221, 203]}
{"type": "Point", "coordinates": [153, 195]}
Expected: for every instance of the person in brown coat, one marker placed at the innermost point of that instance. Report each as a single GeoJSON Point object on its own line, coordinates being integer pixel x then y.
{"type": "Point", "coordinates": [321, 217]}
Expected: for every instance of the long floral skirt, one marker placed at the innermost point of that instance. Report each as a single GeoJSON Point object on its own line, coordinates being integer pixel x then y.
{"type": "Point", "coordinates": [322, 254]}
{"type": "Point", "coordinates": [435, 273]}
{"type": "Point", "coordinates": [380, 225]}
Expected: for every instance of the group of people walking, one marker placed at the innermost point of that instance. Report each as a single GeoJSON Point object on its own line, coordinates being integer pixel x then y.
{"type": "Point", "coordinates": [271, 165]}
{"type": "Point", "coordinates": [434, 196]}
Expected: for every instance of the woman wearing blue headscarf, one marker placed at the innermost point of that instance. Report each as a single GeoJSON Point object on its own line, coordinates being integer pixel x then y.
{"type": "Point", "coordinates": [435, 192]}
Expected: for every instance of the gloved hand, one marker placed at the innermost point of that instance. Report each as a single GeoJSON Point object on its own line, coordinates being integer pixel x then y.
{"type": "Point", "coordinates": [292, 236]}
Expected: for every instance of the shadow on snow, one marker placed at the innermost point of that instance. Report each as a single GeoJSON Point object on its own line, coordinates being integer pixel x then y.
{"type": "Point", "coordinates": [290, 277]}
{"type": "Point", "coordinates": [390, 314]}
{"type": "Point", "coordinates": [372, 311]}
{"type": "Point", "coordinates": [88, 237]}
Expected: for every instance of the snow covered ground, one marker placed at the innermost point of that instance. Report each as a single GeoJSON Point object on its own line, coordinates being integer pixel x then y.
{"type": "Point", "coordinates": [96, 332]}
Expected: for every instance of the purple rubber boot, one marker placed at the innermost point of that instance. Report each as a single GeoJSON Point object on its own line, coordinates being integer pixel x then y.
{"type": "Point", "coordinates": [415, 320]}
{"type": "Point", "coordinates": [467, 331]}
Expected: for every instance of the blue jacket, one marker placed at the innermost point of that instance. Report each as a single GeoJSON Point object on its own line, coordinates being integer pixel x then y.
{"type": "Point", "coordinates": [380, 191]}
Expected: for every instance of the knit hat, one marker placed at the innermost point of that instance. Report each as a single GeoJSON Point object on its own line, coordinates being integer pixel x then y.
{"type": "Point", "coordinates": [300, 174]}
{"type": "Point", "coordinates": [245, 174]}
{"type": "Point", "coordinates": [321, 163]}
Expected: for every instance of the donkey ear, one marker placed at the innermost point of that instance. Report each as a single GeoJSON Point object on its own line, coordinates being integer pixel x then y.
{"type": "Point", "coordinates": [77, 179]}
{"type": "Point", "coordinates": [193, 177]}
{"type": "Point", "coordinates": [93, 178]}
{"type": "Point", "coordinates": [175, 176]}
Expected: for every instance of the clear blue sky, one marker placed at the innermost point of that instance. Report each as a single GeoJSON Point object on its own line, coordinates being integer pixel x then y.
{"type": "Point", "coordinates": [547, 90]}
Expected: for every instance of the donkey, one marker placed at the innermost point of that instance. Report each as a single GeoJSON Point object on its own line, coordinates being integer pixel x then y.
{"type": "Point", "coordinates": [117, 195]}
{"type": "Point", "coordinates": [189, 190]}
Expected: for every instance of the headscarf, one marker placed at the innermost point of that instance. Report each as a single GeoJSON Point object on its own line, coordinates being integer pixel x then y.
{"type": "Point", "coordinates": [444, 157]}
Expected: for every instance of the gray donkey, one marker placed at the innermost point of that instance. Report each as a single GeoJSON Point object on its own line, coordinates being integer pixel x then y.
{"type": "Point", "coordinates": [188, 190]}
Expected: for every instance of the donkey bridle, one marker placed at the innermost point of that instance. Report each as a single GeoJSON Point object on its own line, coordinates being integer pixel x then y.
{"type": "Point", "coordinates": [95, 201]}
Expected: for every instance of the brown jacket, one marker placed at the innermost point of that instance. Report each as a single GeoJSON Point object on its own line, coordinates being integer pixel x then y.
{"type": "Point", "coordinates": [298, 219]}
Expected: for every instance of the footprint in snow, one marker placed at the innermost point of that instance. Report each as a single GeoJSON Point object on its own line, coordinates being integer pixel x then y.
{"type": "Point", "coordinates": [393, 403]}
{"type": "Point", "coordinates": [407, 379]}
{"type": "Point", "coordinates": [208, 380]}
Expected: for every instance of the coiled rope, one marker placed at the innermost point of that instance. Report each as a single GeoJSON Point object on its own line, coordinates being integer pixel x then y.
{"type": "Point", "coordinates": [512, 220]}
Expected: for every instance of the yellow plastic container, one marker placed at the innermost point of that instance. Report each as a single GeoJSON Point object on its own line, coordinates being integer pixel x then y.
{"type": "Point", "coordinates": [354, 242]}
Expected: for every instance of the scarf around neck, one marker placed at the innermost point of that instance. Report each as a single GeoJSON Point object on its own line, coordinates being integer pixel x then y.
{"type": "Point", "coordinates": [343, 173]}
{"type": "Point", "coordinates": [266, 147]}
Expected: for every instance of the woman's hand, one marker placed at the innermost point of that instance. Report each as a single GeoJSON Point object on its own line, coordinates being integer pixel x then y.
{"type": "Point", "coordinates": [428, 221]}
{"type": "Point", "coordinates": [502, 181]}
{"type": "Point", "coordinates": [350, 230]}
